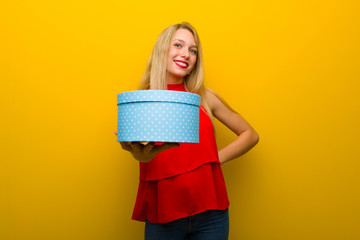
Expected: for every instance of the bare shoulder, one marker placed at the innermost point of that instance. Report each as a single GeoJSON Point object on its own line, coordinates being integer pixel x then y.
{"type": "Point", "coordinates": [210, 94]}
{"type": "Point", "coordinates": [225, 114]}
{"type": "Point", "coordinates": [215, 101]}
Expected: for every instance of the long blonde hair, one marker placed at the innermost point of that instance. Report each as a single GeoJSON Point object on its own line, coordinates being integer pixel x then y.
{"type": "Point", "coordinates": [154, 76]}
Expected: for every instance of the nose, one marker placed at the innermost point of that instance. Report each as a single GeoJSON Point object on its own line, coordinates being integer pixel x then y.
{"type": "Point", "coordinates": [185, 53]}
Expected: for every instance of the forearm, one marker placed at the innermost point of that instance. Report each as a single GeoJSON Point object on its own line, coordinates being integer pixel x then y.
{"type": "Point", "coordinates": [242, 144]}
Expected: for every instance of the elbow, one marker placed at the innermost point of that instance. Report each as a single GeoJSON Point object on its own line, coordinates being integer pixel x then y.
{"type": "Point", "coordinates": [255, 138]}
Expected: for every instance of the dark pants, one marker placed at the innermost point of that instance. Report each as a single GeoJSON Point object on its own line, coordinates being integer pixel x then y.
{"type": "Point", "coordinates": [208, 225]}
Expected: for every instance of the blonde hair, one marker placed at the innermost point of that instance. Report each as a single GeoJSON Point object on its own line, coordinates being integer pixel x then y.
{"type": "Point", "coordinates": [154, 76]}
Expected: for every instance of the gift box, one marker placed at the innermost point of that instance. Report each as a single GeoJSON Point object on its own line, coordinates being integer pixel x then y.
{"type": "Point", "coordinates": [158, 116]}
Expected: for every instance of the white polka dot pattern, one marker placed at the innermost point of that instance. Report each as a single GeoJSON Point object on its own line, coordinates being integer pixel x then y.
{"type": "Point", "coordinates": [158, 116]}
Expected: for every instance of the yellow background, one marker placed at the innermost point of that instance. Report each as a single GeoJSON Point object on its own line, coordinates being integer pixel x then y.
{"type": "Point", "coordinates": [291, 68]}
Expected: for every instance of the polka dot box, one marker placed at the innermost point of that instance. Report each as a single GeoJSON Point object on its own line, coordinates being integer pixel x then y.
{"type": "Point", "coordinates": [158, 116]}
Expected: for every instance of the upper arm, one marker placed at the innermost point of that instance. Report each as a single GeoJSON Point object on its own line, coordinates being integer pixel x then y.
{"type": "Point", "coordinates": [225, 114]}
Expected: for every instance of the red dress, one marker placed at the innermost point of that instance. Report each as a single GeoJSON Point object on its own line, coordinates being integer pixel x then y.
{"type": "Point", "coordinates": [182, 181]}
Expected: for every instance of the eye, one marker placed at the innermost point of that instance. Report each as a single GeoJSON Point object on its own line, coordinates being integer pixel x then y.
{"type": "Point", "coordinates": [193, 51]}
{"type": "Point", "coordinates": [177, 45]}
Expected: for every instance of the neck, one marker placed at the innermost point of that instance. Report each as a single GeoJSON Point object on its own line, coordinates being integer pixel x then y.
{"type": "Point", "coordinates": [177, 83]}
{"type": "Point", "coordinates": [173, 80]}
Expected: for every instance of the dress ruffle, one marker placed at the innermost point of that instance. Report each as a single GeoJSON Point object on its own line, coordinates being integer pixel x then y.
{"type": "Point", "coordinates": [182, 195]}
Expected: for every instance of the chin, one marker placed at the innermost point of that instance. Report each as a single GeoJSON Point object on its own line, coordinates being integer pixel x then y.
{"type": "Point", "coordinates": [179, 75]}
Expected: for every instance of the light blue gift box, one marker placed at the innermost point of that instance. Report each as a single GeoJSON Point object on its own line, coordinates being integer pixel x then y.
{"type": "Point", "coordinates": [158, 116]}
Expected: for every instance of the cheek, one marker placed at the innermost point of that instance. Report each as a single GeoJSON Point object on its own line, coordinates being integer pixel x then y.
{"type": "Point", "coordinates": [170, 58]}
{"type": "Point", "coordinates": [193, 63]}
{"type": "Point", "coordinates": [172, 53]}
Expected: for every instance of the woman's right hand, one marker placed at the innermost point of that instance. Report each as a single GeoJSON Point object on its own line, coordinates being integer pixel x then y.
{"type": "Point", "coordinates": [145, 152]}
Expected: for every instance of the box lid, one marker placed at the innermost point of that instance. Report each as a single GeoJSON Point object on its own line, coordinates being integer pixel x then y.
{"type": "Point", "coordinates": [158, 96]}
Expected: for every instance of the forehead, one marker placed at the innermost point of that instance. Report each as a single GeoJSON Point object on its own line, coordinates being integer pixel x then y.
{"type": "Point", "coordinates": [184, 35]}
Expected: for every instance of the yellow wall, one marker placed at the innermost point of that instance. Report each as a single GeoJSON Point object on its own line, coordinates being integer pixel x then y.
{"type": "Point", "coordinates": [291, 68]}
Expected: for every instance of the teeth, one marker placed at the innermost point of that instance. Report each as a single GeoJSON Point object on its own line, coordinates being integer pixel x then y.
{"type": "Point", "coordinates": [182, 64]}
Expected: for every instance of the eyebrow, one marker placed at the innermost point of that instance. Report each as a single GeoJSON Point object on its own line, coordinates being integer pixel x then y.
{"type": "Point", "coordinates": [184, 42]}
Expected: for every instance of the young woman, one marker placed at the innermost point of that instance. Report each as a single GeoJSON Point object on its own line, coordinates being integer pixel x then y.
{"type": "Point", "coordinates": [182, 193]}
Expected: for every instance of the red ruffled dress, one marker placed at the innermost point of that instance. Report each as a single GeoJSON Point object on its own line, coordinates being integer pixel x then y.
{"type": "Point", "coordinates": [182, 181]}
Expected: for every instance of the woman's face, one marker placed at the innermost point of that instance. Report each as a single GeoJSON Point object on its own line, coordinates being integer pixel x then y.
{"type": "Point", "coordinates": [182, 56]}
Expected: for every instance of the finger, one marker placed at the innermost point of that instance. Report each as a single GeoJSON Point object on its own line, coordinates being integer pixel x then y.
{"type": "Point", "coordinates": [147, 149]}
{"type": "Point", "coordinates": [135, 146]}
{"type": "Point", "coordinates": [115, 133]}
{"type": "Point", "coordinates": [126, 146]}
{"type": "Point", "coordinates": [163, 147]}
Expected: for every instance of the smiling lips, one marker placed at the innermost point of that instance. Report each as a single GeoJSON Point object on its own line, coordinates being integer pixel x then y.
{"type": "Point", "coordinates": [181, 64]}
